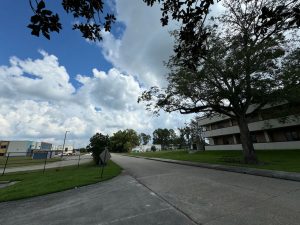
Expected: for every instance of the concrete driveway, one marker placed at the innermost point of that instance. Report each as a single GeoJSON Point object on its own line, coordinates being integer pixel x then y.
{"type": "Point", "coordinates": [150, 192]}
{"type": "Point", "coordinates": [122, 200]}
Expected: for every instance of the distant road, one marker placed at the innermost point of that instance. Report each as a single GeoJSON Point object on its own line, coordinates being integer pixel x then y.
{"type": "Point", "coordinates": [67, 161]}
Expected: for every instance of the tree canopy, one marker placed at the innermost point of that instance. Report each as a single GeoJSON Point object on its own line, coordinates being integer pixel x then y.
{"type": "Point", "coordinates": [98, 143]}
{"type": "Point", "coordinates": [191, 13]}
{"type": "Point", "coordinates": [89, 13]}
{"type": "Point", "coordinates": [144, 138]}
{"type": "Point", "coordinates": [164, 137]}
{"type": "Point", "coordinates": [191, 135]}
{"type": "Point", "coordinates": [124, 140]}
{"type": "Point", "coordinates": [242, 66]}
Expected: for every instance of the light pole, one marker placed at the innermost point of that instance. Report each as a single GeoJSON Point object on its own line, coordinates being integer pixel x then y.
{"type": "Point", "coordinates": [64, 143]}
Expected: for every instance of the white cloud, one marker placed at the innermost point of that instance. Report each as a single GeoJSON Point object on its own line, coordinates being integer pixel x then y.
{"type": "Point", "coordinates": [144, 45]}
{"type": "Point", "coordinates": [39, 103]}
{"type": "Point", "coordinates": [40, 78]}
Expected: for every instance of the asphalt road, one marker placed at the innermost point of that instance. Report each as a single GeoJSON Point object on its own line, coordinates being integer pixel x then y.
{"type": "Point", "coordinates": [215, 197]}
{"type": "Point", "coordinates": [150, 192]}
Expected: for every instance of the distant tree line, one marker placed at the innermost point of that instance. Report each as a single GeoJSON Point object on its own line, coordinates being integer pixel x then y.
{"type": "Point", "coordinates": [125, 140]}
{"type": "Point", "coordinates": [121, 141]}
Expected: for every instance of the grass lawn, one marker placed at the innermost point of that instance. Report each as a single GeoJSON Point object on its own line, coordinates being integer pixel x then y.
{"type": "Point", "coordinates": [24, 161]}
{"type": "Point", "coordinates": [36, 183]}
{"type": "Point", "coordinates": [283, 160]}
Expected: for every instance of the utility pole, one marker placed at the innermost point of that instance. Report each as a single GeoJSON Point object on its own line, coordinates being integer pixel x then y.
{"type": "Point", "coordinates": [63, 148]}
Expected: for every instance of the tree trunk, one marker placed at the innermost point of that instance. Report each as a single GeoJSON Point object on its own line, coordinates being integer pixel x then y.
{"type": "Point", "coordinates": [246, 140]}
{"type": "Point", "coordinates": [200, 145]}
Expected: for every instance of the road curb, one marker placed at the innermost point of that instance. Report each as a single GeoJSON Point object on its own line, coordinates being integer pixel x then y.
{"type": "Point", "coordinates": [251, 171]}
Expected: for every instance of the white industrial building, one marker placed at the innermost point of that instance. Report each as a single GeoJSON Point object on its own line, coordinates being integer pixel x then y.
{"type": "Point", "coordinates": [67, 149]}
{"type": "Point", "coordinates": [268, 128]}
{"type": "Point", "coordinates": [146, 148]}
{"type": "Point", "coordinates": [19, 148]}
{"type": "Point", "coordinates": [23, 148]}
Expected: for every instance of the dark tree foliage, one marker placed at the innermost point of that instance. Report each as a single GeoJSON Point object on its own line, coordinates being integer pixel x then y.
{"type": "Point", "coordinates": [164, 137]}
{"type": "Point", "coordinates": [290, 77]}
{"type": "Point", "coordinates": [98, 143]}
{"type": "Point", "coordinates": [88, 12]}
{"type": "Point", "coordinates": [144, 138]}
{"type": "Point", "coordinates": [193, 14]}
{"type": "Point", "coordinates": [191, 134]}
{"type": "Point", "coordinates": [124, 140]}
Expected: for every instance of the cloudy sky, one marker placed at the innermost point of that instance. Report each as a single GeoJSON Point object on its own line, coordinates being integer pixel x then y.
{"type": "Point", "coordinates": [68, 83]}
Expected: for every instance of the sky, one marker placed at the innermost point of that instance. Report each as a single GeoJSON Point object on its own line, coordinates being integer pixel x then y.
{"type": "Point", "coordinates": [69, 83]}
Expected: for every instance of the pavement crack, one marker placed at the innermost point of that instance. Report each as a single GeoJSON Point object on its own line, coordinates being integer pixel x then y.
{"type": "Point", "coordinates": [168, 202]}
{"type": "Point", "coordinates": [134, 216]}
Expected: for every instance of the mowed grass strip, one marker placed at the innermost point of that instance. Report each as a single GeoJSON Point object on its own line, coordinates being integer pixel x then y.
{"type": "Point", "coordinates": [18, 161]}
{"type": "Point", "coordinates": [281, 160]}
{"type": "Point", "coordinates": [53, 180]}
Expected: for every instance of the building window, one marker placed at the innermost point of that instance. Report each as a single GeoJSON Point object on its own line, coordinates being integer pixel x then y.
{"type": "Point", "coordinates": [3, 146]}
{"type": "Point", "coordinates": [253, 118]}
{"type": "Point", "coordinates": [228, 140]}
{"type": "Point", "coordinates": [253, 137]}
{"type": "Point", "coordinates": [292, 136]}
{"type": "Point", "coordinates": [234, 122]}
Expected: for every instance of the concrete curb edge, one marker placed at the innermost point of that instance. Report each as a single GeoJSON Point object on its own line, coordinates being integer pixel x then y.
{"type": "Point", "coordinates": [244, 170]}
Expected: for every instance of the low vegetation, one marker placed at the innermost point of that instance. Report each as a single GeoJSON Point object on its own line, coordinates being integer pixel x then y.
{"type": "Point", "coordinates": [54, 180]}
{"type": "Point", "coordinates": [283, 160]}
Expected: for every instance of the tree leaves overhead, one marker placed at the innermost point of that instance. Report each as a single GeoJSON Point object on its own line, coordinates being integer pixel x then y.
{"type": "Point", "coordinates": [43, 21]}
{"type": "Point", "coordinates": [89, 14]}
{"type": "Point", "coordinates": [285, 14]}
{"type": "Point", "coordinates": [193, 13]}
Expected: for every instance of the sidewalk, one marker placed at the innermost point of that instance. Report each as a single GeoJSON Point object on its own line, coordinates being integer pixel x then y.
{"type": "Point", "coordinates": [245, 170]}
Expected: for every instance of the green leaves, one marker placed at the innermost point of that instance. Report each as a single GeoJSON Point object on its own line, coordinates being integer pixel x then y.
{"type": "Point", "coordinates": [43, 21]}
{"type": "Point", "coordinates": [124, 141]}
{"type": "Point", "coordinates": [88, 12]}
{"type": "Point", "coordinates": [97, 144]}
{"type": "Point", "coordinates": [41, 5]}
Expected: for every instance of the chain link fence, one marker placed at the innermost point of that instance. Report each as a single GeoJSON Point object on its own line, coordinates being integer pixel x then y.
{"type": "Point", "coordinates": [39, 160]}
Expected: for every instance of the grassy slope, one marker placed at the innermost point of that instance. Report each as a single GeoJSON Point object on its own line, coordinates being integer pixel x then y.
{"type": "Point", "coordinates": [54, 180]}
{"type": "Point", "coordinates": [283, 160]}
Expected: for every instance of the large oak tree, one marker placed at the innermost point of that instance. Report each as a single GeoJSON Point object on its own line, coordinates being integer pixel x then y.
{"type": "Point", "coordinates": [239, 70]}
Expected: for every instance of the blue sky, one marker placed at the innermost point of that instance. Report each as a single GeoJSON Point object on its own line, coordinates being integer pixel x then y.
{"type": "Point", "coordinates": [68, 83]}
{"type": "Point", "coordinates": [76, 54]}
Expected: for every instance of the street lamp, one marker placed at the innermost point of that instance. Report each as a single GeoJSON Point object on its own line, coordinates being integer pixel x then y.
{"type": "Point", "coordinates": [64, 143]}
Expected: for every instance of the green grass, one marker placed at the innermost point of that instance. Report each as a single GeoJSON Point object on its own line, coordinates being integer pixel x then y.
{"type": "Point", "coordinates": [283, 160]}
{"type": "Point", "coordinates": [36, 183]}
{"type": "Point", "coordinates": [24, 161]}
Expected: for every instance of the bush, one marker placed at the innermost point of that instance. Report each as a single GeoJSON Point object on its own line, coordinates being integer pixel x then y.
{"type": "Point", "coordinates": [153, 148]}
{"type": "Point", "coordinates": [98, 143]}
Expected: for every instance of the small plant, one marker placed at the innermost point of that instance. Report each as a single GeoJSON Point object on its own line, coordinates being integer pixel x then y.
{"type": "Point", "coordinates": [153, 148]}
